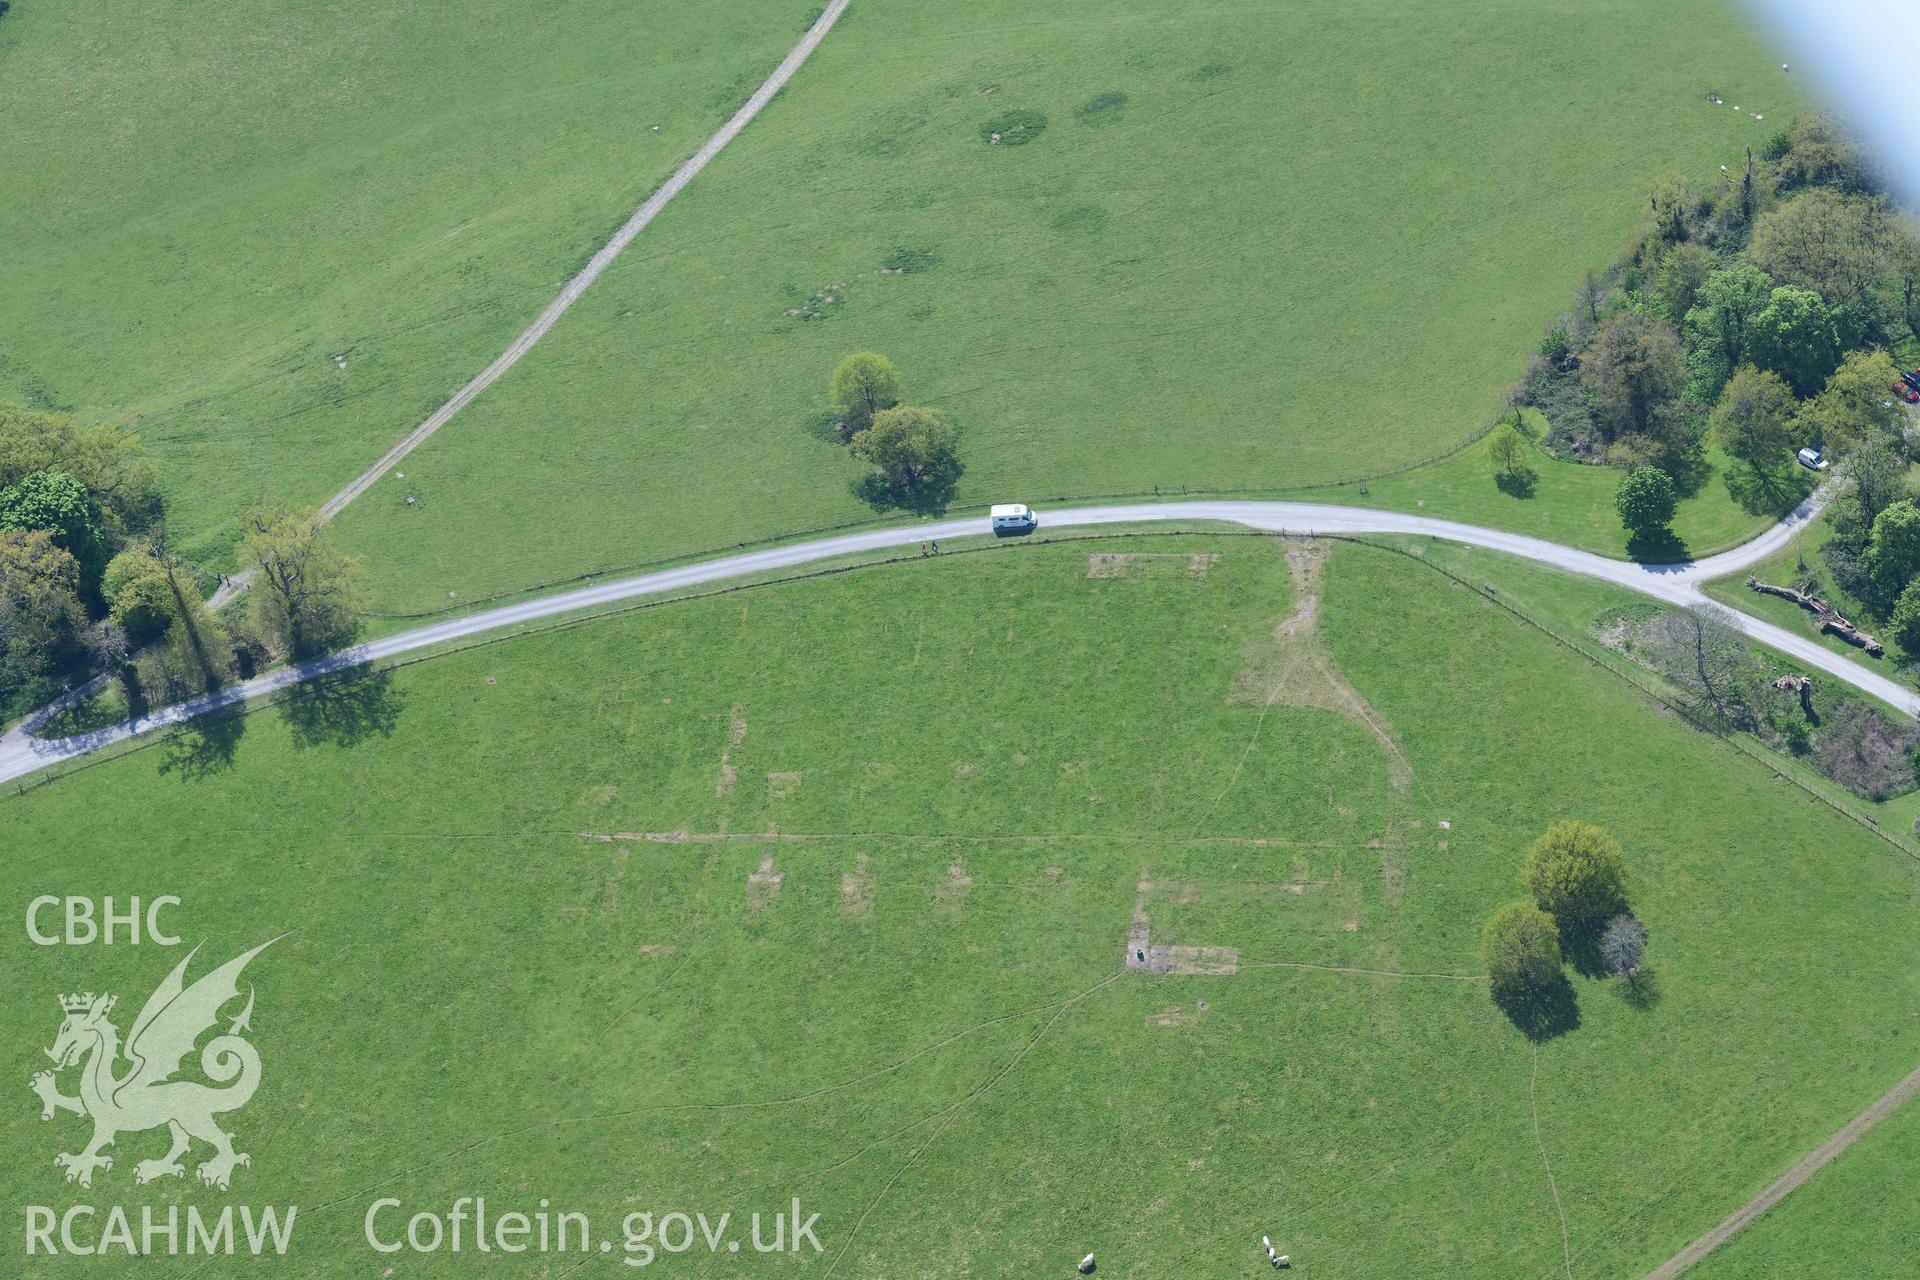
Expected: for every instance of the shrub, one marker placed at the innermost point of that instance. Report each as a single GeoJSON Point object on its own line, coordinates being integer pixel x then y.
{"type": "Point", "coordinates": [1575, 872]}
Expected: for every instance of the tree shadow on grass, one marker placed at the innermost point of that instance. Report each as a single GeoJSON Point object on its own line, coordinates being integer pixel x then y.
{"type": "Point", "coordinates": [882, 494]}
{"type": "Point", "coordinates": [204, 747]}
{"type": "Point", "coordinates": [1518, 484]}
{"type": "Point", "coordinates": [1542, 1013]}
{"type": "Point", "coordinates": [1766, 493]}
{"type": "Point", "coordinates": [1639, 990]}
{"type": "Point", "coordinates": [1657, 546]}
{"type": "Point", "coordinates": [345, 708]}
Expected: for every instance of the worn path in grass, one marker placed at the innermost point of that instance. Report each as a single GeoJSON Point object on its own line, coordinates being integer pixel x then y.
{"type": "Point", "coordinates": [1679, 584]}
{"type": "Point", "coordinates": [1777, 1190]}
{"type": "Point", "coordinates": [574, 287]}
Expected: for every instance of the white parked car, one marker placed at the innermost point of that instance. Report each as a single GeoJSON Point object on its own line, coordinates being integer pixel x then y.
{"type": "Point", "coordinates": [1013, 517]}
{"type": "Point", "coordinates": [1811, 460]}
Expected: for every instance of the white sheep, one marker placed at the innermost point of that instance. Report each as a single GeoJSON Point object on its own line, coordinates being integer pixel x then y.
{"type": "Point", "coordinates": [1086, 1265]}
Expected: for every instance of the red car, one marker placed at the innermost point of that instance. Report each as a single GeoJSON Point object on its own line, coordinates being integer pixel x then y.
{"type": "Point", "coordinates": [1906, 392]}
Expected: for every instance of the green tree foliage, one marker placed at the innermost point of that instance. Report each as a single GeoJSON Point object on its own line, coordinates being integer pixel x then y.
{"type": "Point", "coordinates": [1646, 501]}
{"type": "Point", "coordinates": [1893, 551]}
{"type": "Point", "coordinates": [1673, 202]}
{"type": "Point", "coordinates": [1521, 949]}
{"type": "Point", "coordinates": [1906, 272]}
{"type": "Point", "coordinates": [1511, 450]}
{"type": "Point", "coordinates": [40, 616]}
{"type": "Point", "coordinates": [306, 597]}
{"type": "Point", "coordinates": [109, 464]}
{"type": "Point", "coordinates": [913, 452]}
{"type": "Point", "coordinates": [1635, 373]}
{"type": "Point", "coordinates": [1879, 472]}
{"type": "Point", "coordinates": [1717, 325]}
{"type": "Point", "coordinates": [135, 588]}
{"type": "Point", "coordinates": [1837, 245]}
{"type": "Point", "coordinates": [1754, 418]}
{"type": "Point", "coordinates": [1855, 406]}
{"type": "Point", "coordinates": [1795, 336]}
{"type": "Point", "coordinates": [1682, 272]}
{"type": "Point", "coordinates": [56, 502]}
{"type": "Point", "coordinates": [1905, 620]}
{"type": "Point", "coordinates": [863, 384]}
{"type": "Point", "coordinates": [1815, 153]}
{"type": "Point", "coordinates": [1576, 873]}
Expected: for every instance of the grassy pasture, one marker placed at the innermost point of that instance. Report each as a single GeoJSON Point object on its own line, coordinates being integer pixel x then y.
{"type": "Point", "coordinates": [1855, 1218]}
{"type": "Point", "coordinates": [925, 1030]}
{"type": "Point", "coordinates": [1256, 245]}
{"type": "Point", "coordinates": [205, 205]}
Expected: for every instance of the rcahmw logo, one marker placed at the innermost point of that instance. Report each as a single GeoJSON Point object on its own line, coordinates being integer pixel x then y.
{"type": "Point", "coordinates": [149, 1095]}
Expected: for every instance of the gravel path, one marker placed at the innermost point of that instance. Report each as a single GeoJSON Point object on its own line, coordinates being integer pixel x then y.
{"type": "Point", "coordinates": [1776, 1191]}
{"type": "Point", "coordinates": [574, 287]}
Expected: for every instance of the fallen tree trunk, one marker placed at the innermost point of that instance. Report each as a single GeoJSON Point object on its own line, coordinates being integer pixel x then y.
{"type": "Point", "coordinates": [1825, 617]}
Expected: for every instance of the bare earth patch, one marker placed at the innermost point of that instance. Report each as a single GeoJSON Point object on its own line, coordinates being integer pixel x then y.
{"type": "Point", "coordinates": [856, 889]}
{"type": "Point", "coordinates": [763, 886]}
{"type": "Point", "coordinates": [1290, 667]}
{"type": "Point", "coordinates": [736, 734]}
{"type": "Point", "coordinates": [782, 785]}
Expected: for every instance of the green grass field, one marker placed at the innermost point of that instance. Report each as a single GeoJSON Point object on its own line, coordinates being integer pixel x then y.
{"type": "Point", "coordinates": [206, 205]}
{"type": "Point", "coordinates": [1267, 266]}
{"type": "Point", "coordinates": [1853, 1219]}
{"type": "Point", "coordinates": [871, 952]}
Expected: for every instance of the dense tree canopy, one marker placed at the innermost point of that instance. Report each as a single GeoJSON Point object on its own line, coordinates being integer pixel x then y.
{"type": "Point", "coordinates": [1575, 872]}
{"type": "Point", "coordinates": [1835, 244]}
{"type": "Point", "coordinates": [306, 598]}
{"type": "Point", "coordinates": [1717, 324]}
{"type": "Point", "coordinates": [1634, 371]}
{"type": "Point", "coordinates": [1855, 407]}
{"type": "Point", "coordinates": [1646, 501]}
{"type": "Point", "coordinates": [1796, 336]}
{"type": "Point", "coordinates": [56, 502]}
{"type": "Point", "coordinates": [914, 453]}
{"type": "Point", "coordinates": [863, 384]}
{"type": "Point", "coordinates": [1521, 949]}
{"type": "Point", "coordinates": [1754, 418]}
{"type": "Point", "coordinates": [108, 463]}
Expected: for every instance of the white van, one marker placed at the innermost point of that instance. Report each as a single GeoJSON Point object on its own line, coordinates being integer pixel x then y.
{"type": "Point", "coordinates": [1013, 517]}
{"type": "Point", "coordinates": [1812, 460]}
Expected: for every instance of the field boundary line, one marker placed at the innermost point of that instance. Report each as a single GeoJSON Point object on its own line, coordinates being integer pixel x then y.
{"type": "Point", "coordinates": [570, 293]}
{"type": "Point", "coordinates": [1777, 1190]}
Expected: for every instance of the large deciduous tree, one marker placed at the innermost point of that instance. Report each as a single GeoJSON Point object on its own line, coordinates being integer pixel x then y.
{"type": "Point", "coordinates": [41, 620]}
{"type": "Point", "coordinates": [865, 383]}
{"type": "Point", "coordinates": [1646, 501]}
{"type": "Point", "coordinates": [913, 453]}
{"type": "Point", "coordinates": [1754, 418]}
{"type": "Point", "coordinates": [1576, 873]}
{"type": "Point", "coordinates": [1837, 245]}
{"type": "Point", "coordinates": [56, 502]}
{"type": "Point", "coordinates": [306, 598]}
{"type": "Point", "coordinates": [1796, 336]}
{"type": "Point", "coordinates": [1718, 322]}
{"type": "Point", "coordinates": [1521, 949]}
{"type": "Point", "coordinates": [109, 464]}
{"type": "Point", "coordinates": [1634, 370]}
{"type": "Point", "coordinates": [1893, 551]}
{"type": "Point", "coordinates": [1854, 408]}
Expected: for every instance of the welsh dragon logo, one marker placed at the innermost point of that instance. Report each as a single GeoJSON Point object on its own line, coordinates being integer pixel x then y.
{"type": "Point", "coordinates": [147, 1095]}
